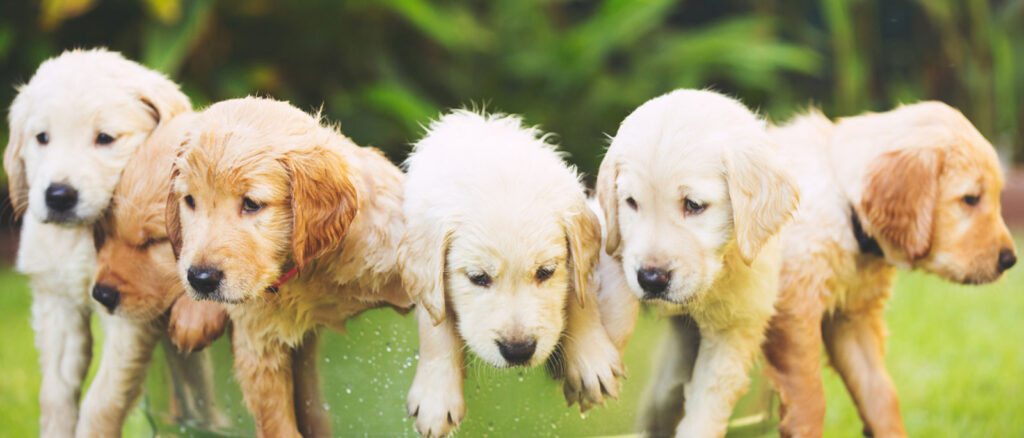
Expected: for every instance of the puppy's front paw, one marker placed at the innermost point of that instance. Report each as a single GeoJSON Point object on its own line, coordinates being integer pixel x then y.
{"type": "Point", "coordinates": [436, 402]}
{"type": "Point", "coordinates": [194, 325]}
{"type": "Point", "coordinates": [592, 370]}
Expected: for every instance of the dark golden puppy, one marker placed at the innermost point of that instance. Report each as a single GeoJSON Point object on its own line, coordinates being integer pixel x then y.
{"type": "Point", "coordinates": [136, 282]}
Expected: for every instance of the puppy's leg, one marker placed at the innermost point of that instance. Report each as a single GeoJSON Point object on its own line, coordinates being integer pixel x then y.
{"type": "Point", "coordinates": [855, 341]}
{"type": "Point", "coordinates": [195, 324]}
{"type": "Point", "coordinates": [792, 351]}
{"type": "Point", "coordinates": [192, 381]}
{"type": "Point", "coordinates": [309, 402]}
{"type": "Point", "coordinates": [664, 401]}
{"type": "Point", "coordinates": [436, 394]}
{"type": "Point", "coordinates": [65, 349]}
{"type": "Point", "coordinates": [619, 306]}
{"type": "Point", "coordinates": [264, 370]}
{"type": "Point", "coordinates": [593, 364]}
{"type": "Point", "coordinates": [127, 350]}
{"type": "Point", "coordinates": [720, 376]}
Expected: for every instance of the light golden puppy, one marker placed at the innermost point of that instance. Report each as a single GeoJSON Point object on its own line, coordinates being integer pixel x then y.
{"type": "Point", "coordinates": [499, 254]}
{"type": "Point", "coordinates": [915, 187]}
{"type": "Point", "coordinates": [73, 127]}
{"type": "Point", "coordinates": [692, 199]}
{"type": "Point", "coordinates": [137, 282]}
{"type": "Point", "coordinates": [293, 227]}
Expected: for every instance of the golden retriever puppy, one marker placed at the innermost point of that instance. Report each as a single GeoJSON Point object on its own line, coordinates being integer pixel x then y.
{"type": "Point", "coordinates": [916, 187]}
{"type": "Point", "coordinates": [73, 127]}
{"type": "Point", "coordinates": [293, 227]}
{"type": "Point", "coordinates": [692, 199]}
{"type": "Point", "coordinates": [499, 253]}
{"type": "Point", "coordinates": [137, 282]}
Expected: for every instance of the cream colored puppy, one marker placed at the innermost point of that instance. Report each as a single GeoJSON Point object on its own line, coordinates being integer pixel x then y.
{"type": "Point", "coordinates": [73, 127]}
{"type": "Point", "coordinates": [693, 199]}
{"type": "Point", "coordinates": [499, 254]}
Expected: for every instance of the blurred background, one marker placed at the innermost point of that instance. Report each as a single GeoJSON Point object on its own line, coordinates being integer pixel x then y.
{"type": "Point", "coordinates": [384, 68]}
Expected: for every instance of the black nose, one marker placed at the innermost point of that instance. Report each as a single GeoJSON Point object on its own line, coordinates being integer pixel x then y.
{"type": "Point", "coordinates": [61, 197]}
{"type": "Point", "coordinates": [517, 353]}
{"type": "Point", "coordinates": [203, 279]}
{"type": "Point", "coordinates": [1006, 260]}
{"type": "Point", "coordinates": [653, 281]}
{"type": "Point", "coordinates": [107, 296]}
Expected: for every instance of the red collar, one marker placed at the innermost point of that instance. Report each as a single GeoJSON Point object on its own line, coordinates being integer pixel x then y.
{"type": "Point", "coordinates": [284, 278]}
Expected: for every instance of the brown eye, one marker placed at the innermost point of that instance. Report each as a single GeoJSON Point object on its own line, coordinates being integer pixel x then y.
{"type": "Point", "coordinates": [480, 279]}
{"type": "Point", "coordinates": [152, 241]}
{"type": "Point", "coordinates": [43, 138]}
{"type": "Point", "coordinates": [104, 139]}
{"type": "Point", "coordinates": [693, 207]}
{"type": "Point", "coordinates": [631, 202]}
{"type": "Point", "coordinates": [191, 203]}
{"type": "Point", "coordinates": [250, 206]}
{"type": "Point", "coordinates": [971, 200]}
{"type": "Point", "coordinates": [544, 273]}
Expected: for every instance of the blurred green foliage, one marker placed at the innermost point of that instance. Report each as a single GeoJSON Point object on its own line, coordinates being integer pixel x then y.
{"type": "Point", "coordinates": [384, 68]}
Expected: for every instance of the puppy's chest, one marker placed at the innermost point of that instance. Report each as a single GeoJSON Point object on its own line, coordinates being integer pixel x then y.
{"type": "Point", "coordinates": [304, 306]}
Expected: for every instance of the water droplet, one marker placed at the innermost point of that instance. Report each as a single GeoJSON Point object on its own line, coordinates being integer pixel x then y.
{"type": "Point", "coordinates": [327, 407]}
{"type": "Point", "coordinates": [348, 390]}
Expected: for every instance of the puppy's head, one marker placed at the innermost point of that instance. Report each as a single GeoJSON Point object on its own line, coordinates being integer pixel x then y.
{"type": "Point", "coordinates": [498, 236]}
{"type": "Point", "coordinates": [932, 200]}
{"type": "Point", "coordinates": [259, 187]}
{"type": "Point", "coordinates": [688, 178]}
{"type": "Point", "coordinates": [136, 276]}
{"type": "Point", "coordinates": [73, 127]}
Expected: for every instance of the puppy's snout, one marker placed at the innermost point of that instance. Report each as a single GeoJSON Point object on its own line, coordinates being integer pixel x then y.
{"type": "Point", "coordinates": [61, 197]}
{"type": "Point", "coordinates": [1006, 260]}
{"type": "Point", "coordinates": [517, 352]}
{"type": "Point", "coordinates": [653, 281]}
{"type": "Point", "coordinates": [204, 279]}
{"type": "Point", "coordinates": [107, 296]}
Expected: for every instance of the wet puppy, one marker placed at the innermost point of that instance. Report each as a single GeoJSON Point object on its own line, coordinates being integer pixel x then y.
{"type": "Point", "coordinates": [73, 127]}
{"type": "Point", "coordinates": [293, 227]}
{"type": "Point", "coordinates": [692, 200]}
{"type": "Point", "coordinates": [499, 254]}
{"type": "Point", "coordinates": [916, 187]}
{"type": "Point", "coordinates": [137, 282]}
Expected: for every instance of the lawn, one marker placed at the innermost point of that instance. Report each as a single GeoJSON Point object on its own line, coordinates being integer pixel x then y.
{"type": "Point", "coordinates": [954, 364]}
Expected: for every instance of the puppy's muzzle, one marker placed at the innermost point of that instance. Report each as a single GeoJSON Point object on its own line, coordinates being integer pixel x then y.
{"type": "Point", "coordinates": [107, 296]}
{"type": "Point", "coordinates": [653, 281]}
{"type": "Point", "coordinates": [61, 198]}
{"type": "Point", "coordinates": [1006, 260]}
{"type": "Point", "coordinates": [205, 279]}
{"type": "Point", "coordinates": [517, 352]}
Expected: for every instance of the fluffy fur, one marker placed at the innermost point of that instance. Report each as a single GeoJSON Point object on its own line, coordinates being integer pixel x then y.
{"type": "Point", "coordinates": [326, 206]}
{"type": "Point", "coordinates": [500, 249]}
{"type": "Point", "coordinates": [136, 283]}
{"type": "Point", "coordinates": [75, 123]}
{"type": "Point", "coordinates": [689, 188]}
{"type": "Point", "coordinates": [908, 175]}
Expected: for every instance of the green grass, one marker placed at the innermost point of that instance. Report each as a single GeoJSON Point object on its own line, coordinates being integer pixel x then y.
{"type": "Point", "coordinates": [954, 355]}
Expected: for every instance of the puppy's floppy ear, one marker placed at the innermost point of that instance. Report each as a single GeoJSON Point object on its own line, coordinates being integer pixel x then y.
{"type": "Point", "coordinates": [607, 195]}
{"type": "Point", "coordinates": [763, 196]}
{"type": "Point", "coordinates": [423, 257]}
{"type": "Point", "coordinates": [162, 97]}
{"type": "Point", "coordinates": [583, 233]}
{"type": "Point", "coordinates": [324, 201]}
{"type": "Point", "coordinates": [17, 184]}
{"type": "Point", "coordinates": [900, 191]}
{"type": "Point", "coordinates": [173, 217]}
